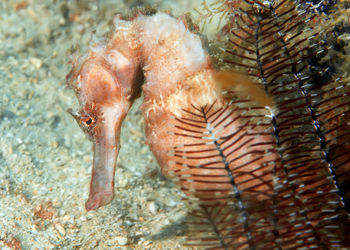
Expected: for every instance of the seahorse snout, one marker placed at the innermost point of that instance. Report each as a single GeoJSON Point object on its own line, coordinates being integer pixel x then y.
{"type": "Point", "coordinates": [106, 149]}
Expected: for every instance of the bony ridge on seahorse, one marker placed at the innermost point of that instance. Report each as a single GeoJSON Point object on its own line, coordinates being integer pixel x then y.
{"type": "Point", "coordinates": [178, 74]}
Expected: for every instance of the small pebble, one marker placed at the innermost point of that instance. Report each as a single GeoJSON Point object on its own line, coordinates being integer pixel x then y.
{"type": "Point", "coordinates": [122, 240]}
{"type": "Point", "coordinates": [153, 207]}
{"type": "Point", "coordinates": [122, 183]}
{"type": "Point", "coordinates": [147, 243]}
{"type": "Point", "coordinates": [87, 158]}
{"type": "Point", "coordinates": [36, 62]}
{"type": "Point", "coordinates": [54, 144]}
{"type": "Point", "coordinates": [60, 229]}
{"type": "Point", "coordinates": [90, 215]}
{"type": "Point", "coordinates": [66, 218]}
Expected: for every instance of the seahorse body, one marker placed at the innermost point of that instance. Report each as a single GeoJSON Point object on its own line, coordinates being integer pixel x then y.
{"type": "Point", "coordinates": [208, 130]}
{"type": "Point", "coordinates": [178, 74]}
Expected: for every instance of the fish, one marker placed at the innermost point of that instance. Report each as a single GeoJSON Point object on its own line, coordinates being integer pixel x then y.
{"type": "Point", "coordinates": [178, 74]}
{"type": "Point", "coordinates": [213, 132]}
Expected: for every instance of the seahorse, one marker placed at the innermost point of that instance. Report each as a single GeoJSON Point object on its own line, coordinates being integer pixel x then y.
{"type": "Point", "coordinates": [209, 130]}
{"type": "Point", "coordinates": [178, 72]}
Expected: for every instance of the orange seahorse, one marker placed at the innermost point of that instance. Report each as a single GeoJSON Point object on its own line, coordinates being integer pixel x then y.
{"type": "Point", "coordinates": [210, 132]}
{"type": "Point", "coordinates": [178, 74]}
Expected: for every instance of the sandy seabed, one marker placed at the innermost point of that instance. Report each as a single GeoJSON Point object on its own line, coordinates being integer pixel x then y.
{"type": "Point", "coordinates": [45, 159]}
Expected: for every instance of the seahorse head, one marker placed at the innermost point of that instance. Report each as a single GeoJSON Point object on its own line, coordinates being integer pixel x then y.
{"type": "Point", "coordinates": [106, 82]}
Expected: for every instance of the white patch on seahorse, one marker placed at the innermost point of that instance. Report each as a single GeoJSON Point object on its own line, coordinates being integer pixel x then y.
{"type": "Point", "coordinates": [169, 49]}
{"type": "Point", "coordinates": [118, 60]}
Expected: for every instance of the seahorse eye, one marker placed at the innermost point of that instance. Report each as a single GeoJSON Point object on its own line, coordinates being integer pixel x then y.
{"type": "Point", "coordinates": [88, 121]}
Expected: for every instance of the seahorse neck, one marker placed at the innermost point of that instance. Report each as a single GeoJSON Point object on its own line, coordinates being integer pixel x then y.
{"type": "Point", "coordinates": [170, 52]}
